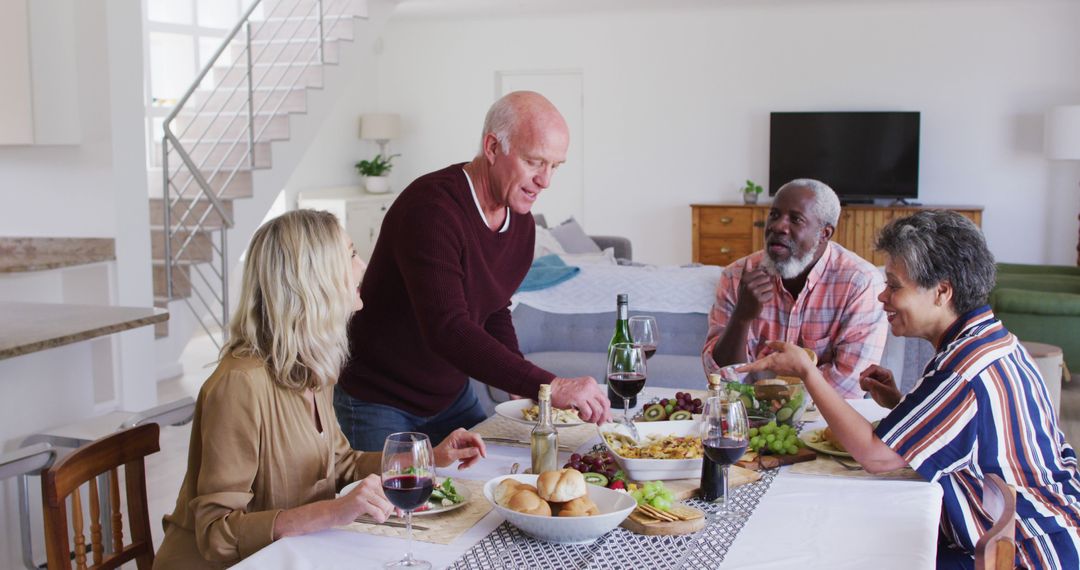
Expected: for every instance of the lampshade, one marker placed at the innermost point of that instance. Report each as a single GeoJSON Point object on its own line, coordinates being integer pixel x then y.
{"type": "Point", "coordinates": [1062, 130]}
{"type": "Point", "coordinates": [380, 126]}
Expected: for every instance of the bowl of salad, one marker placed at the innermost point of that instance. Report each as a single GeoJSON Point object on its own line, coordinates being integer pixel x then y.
{"type": "Point", "coordinates": [784, 398]}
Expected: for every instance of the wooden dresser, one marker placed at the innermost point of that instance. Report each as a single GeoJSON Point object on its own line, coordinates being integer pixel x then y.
{"type": "Point", "coordinates": [723, 233]}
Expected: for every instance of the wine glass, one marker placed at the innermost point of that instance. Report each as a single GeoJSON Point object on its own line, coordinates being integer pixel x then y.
{"type": "Point", "coordinates": [626, 376]}
{"type": "Point", "coordinates": [725, 434]}
{"type": "Point", "coordinates": [645, 332]}
{"type": "Point", "coordinates": [408, 477]}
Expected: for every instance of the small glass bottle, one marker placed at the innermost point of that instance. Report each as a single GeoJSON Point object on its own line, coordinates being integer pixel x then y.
{"type": "Point", "coordinates": [622, 335]}
{"type": "Point", "coordinates": [545, 439]}
{"type": "Point", "coordinates": [712, 478]}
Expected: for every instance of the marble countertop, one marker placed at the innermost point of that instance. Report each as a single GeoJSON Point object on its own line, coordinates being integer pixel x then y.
{"type": "Point", "coordinates": [19, 254]}
{"type": "Point", "coordinates": [30, 327]}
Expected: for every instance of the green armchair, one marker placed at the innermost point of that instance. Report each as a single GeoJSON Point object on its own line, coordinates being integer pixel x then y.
{"type": "Point", "coordinates": [1041, 303]}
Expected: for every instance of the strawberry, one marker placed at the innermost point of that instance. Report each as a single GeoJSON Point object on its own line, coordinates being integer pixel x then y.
{"type": "Point", "coordinates": [617, 484]}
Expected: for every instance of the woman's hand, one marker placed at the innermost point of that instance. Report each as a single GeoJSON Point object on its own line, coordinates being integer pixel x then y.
{"type": "Point", "coordinates": [460, 445]}
{"type": "Point", "coordinates": [367, 498]}
{"type": "Point", "coordinates": [881, 385]}
{"type": "Point", "coordinates": [786, 359]}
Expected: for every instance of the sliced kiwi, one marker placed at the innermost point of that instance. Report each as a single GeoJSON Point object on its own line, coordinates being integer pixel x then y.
{"type": "Point", "coordinates": [596, 479]}
{"type": "Point", "coordinates": [654, 413]}
{"type": "Point", "coordinates": [680, 415]}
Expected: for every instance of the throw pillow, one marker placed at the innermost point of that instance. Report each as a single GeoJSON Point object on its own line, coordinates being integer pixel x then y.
{"type": "Point", "coordinates": [546, 243]}
{"type": "Point", "coordinates": [606, 257]}
{"type": "Point", "coordinates": [573, 238]}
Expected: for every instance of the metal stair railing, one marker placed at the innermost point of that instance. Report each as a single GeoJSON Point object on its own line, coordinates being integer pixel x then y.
{"type": "Point", "coordinates": [210, 291]}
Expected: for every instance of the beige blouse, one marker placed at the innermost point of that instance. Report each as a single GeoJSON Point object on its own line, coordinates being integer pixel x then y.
{"type": "Point", "coordinates": [254, 451]}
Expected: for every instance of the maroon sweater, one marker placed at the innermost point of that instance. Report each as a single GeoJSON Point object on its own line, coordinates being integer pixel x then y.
{"type": "Point", "coordinates": [436, 302]}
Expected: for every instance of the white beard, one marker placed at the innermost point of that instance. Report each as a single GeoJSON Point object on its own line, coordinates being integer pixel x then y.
{"type": "Point", "coordinates": [790, 268]}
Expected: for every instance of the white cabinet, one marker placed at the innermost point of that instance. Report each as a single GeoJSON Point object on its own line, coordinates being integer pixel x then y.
{"type": "Point", "coordinates": [360, 213]}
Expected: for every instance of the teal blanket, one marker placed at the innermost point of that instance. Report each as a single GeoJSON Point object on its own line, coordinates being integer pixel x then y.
{"type": "Point", "coordinates": [547, 271]}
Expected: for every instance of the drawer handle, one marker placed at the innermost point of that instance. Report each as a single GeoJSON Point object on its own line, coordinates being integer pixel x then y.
{"type": "Point", "coordinates": [726, 220]}
{"type": "Point", "coordinates": [725, 249]}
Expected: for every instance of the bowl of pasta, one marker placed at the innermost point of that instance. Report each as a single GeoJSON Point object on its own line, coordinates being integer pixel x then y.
{"type": "Point", "coordinates": [667, 450]}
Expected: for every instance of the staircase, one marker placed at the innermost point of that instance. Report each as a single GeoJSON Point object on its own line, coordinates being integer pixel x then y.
{"type": "Point", "coordinates": [214, 173]}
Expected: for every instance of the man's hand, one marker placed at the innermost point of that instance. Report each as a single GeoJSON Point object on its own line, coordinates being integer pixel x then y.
{"type": "Point", "coordinates": [584, 394]}
{"type": "Point", "coordinates": [881, 385]}
{"type": "Point", "coordinates": [755, 289]}
{"type": "Point", "coordinates": [460, 445]}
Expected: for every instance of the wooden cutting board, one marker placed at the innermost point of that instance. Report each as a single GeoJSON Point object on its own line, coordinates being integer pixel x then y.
{"type": "Point", "coordinates": [753, 461]}
{"type": "Point", "coordinates": [640, 523]}
{"type": "Point", "coordinates": [686, 488]}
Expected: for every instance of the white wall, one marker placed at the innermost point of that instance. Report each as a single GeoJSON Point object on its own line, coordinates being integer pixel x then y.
{"type": "Point", "coordinates": [677, 101]}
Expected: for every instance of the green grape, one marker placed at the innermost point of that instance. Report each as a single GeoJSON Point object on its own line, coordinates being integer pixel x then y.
{"type": "Point", "coordinates": [770, 437]}
{"type": "Point", "coordinates": [753, 431]}
{"type": "Point", "coordinates": [791, 449]}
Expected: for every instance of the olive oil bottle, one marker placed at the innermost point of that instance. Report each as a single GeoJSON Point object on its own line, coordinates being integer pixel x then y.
{"type": "Point", "coordinates": [545, 439]}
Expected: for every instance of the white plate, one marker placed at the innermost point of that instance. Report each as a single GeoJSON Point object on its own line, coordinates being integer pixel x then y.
{"type": "Point", "coordinates": [614, 508]}
{"type": "Point", "coordinates": [658, 469]}
{"type": "Point", "coordinates": [512, 409]}
{"type": "Point", "coordinates": [434, 510]}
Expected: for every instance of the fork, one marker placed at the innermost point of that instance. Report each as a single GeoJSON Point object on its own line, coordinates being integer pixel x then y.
{"type": "Point", "coordinates": [847, 465]}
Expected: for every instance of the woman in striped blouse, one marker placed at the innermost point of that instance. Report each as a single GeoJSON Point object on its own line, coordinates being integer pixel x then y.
{"type": "Point", "coordinates": [981, 406]}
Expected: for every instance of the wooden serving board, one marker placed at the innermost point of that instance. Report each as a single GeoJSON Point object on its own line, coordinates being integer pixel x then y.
{"type": "Point", "coordinates": [640, 523]}
{"type": "Point", "coordinates": [686, 488]}
{"type": "Point", "coordinates": [756, 462]}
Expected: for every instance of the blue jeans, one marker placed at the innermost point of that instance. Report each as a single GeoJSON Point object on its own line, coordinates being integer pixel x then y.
{"type": "Point", "coordinates": [366, 425]}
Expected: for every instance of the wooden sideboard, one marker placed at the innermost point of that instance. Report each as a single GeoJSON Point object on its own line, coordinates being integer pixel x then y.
{"type": "Point", "coordinates": [723, 233]}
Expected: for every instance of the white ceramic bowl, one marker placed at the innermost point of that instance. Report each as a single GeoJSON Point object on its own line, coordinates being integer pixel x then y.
{"type": "Point", "coordinates": [614, 508]}
{"type": "Point", "coordinates": [658, 469]}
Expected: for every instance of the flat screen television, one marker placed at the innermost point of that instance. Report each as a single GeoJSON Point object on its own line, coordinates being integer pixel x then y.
{"type": "Point", "coordinates": [861, 155]}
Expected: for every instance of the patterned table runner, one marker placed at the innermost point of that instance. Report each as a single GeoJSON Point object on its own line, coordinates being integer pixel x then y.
{"type": "Point", "coordinates": [442, 528]}
{"type": "Point", "coordinates": [508, 547]}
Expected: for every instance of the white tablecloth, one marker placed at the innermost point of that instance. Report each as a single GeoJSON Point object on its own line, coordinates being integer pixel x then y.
{"type": "Point", "coordinates": [803, 521]}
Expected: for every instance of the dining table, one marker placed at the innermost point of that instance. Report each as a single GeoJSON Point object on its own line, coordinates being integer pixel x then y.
{"type": "Point", "coordinates": [796, 520]}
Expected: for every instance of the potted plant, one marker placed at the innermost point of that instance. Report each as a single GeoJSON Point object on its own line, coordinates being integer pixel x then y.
{"type": "Point", "coordinates": [375, 173]}
{"type": "Point", "coordinates": [750, 192]}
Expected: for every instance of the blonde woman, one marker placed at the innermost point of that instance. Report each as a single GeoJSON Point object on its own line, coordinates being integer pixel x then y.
{"type": "Point", "coordinates": [267, 455]}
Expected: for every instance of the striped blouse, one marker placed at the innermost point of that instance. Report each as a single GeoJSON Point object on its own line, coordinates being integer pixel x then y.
{"type": "Point", "coordinates": [982, 407]}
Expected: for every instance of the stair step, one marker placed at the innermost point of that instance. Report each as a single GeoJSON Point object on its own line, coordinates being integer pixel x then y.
{"type": "Point", "coordinates": [225, 184]}
{"type": "Point", "coordinates": [267, 99]}
{"type": "Point", "coordinates": [277, 9]}
{"type": "Point", "coordinates": [225, 154]}
{"type": "Point", "coordinates": [181, 280]}
{"type": "Point", "coordinates": [200, 248]}
{"type": "Point", "coordinates": [181, 207]}
{"type": "Point", "coordinates": [286, 49]}
{"type": "Point", "coordinates": [303, 72]}
{"type": "Point", "coordinates": [232, 124]}
{"type": "Point", "coordinates": [337, 26]}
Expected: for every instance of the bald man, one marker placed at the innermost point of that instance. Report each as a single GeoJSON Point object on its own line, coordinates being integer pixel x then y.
{"type": "Point", "coordinates": [453, 248]}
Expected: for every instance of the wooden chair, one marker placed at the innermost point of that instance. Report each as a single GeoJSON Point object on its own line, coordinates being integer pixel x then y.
{"type": "Point", "coordinates": [127, 448]}
{"type": "Point", "coordinates": [996, 550]}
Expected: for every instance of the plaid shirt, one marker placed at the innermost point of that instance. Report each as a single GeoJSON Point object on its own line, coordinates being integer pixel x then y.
{"type": "Point", "coordinates": [837, 315]}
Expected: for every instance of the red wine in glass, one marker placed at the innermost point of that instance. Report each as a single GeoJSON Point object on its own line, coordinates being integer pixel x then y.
{"type": "Point", "coordinates": [626, 384]}
{"type": "Point", "coordinates": [723, 450]}
{"type": "Point", "coordinates": [408, 492]}
{"type": "Point", "coordinates": [650, 350]}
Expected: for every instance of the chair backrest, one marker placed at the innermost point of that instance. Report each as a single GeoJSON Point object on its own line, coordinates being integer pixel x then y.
{"type": "Point", "coordinates": [996, 550]}
{"type": "Point", "coordinates": [126, 448]}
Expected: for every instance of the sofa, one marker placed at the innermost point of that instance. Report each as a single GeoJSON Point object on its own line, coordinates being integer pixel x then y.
{"type": "Point", "coordinates": [566, 329]}
{"type": "Point", "coordinates": [1041, 303]}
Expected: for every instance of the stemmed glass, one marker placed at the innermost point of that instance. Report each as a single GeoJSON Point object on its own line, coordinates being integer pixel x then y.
{"type": "Point", "coordinates": [408, 477]}
{"type": "Point", "coordinates": [646, 333]}
{"type": "Point", "coordinates": [626, 374]}
{"type": "Point", "coordinates": [725, 434]}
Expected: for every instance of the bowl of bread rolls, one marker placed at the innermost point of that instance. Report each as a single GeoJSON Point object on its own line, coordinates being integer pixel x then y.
{"type": "Point", "coordinates": [558, 506]}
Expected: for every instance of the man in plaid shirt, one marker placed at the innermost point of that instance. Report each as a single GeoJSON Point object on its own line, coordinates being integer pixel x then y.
{"type": "Point", "coordinates": [803, 289]}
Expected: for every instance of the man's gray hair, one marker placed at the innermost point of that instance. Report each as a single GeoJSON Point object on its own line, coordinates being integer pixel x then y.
{"type": "Point", "coordinates": [939, 245]}
{"type": "Point", "coordinates": [826, 205]}
{"type": "Point", "coordinates": [501, 119]}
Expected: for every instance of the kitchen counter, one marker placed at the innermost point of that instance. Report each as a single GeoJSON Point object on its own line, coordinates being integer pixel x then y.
{"type": "Point", "coordinates": [30, 327]}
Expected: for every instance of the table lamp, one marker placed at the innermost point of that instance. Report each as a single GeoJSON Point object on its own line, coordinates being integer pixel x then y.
{"type": "Point", "coordinates": [1062, 131]}
{"type": "Point", "coordinates": [380, 127]}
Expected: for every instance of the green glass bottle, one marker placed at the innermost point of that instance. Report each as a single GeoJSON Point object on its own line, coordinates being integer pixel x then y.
{"type": "Point", "coordinates": [622, 334]}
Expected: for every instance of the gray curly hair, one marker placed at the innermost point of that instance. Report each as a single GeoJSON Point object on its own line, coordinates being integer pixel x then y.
{"type": "Point", "coordinates": [826, 205]}
{"type": "Point", "coordinates": [939, 245]}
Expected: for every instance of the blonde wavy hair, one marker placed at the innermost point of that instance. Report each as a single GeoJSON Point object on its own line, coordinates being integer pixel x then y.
{"type": "Point", "coordinates": [295, 301]}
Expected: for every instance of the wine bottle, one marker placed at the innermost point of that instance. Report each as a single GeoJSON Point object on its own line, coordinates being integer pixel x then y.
{"type": "Point", "coordinates": [622, 334]}
{"type": "Point", "coordinates": [712, 477]}
{"type": "Point", "coordinates": [545, 439]}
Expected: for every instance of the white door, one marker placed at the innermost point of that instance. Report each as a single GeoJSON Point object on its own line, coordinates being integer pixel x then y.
{"type": "Point", "coordinates": [566, 195]}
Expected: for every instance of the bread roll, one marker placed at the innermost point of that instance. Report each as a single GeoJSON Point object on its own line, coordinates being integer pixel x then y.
{"type": "Point", "coordinates": [561, 486]}
{"type": "Point", "coordinates": [506, 488]}
{"type": "Point", "coordinates": [579, 507]}
{"type": "Point", "coordinates": [525, 500]}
